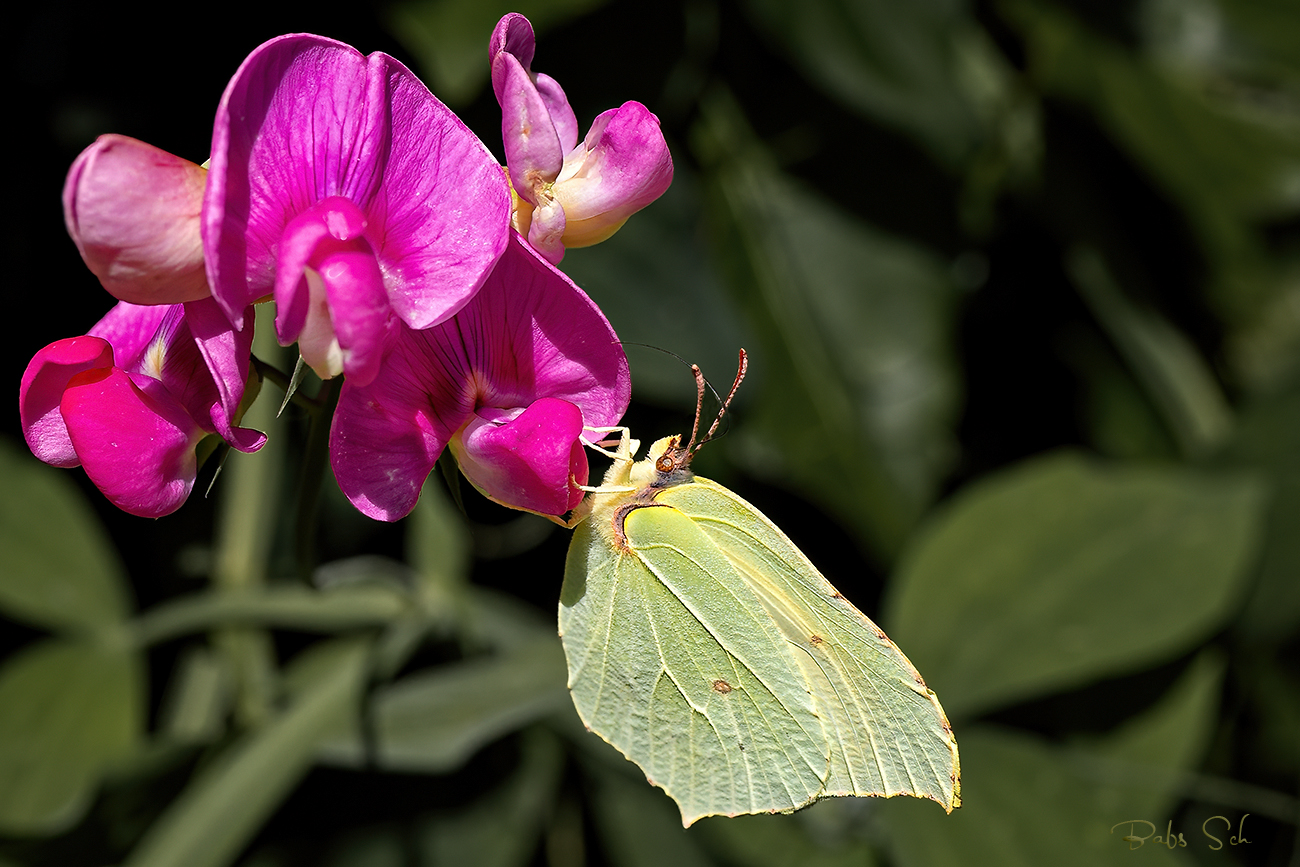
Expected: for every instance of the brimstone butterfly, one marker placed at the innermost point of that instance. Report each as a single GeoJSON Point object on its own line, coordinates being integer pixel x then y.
{"type": "Point", "coordinates": [708, 649]}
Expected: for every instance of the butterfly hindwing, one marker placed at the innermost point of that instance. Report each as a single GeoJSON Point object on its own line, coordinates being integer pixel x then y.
{"type": "Point", "coordinates": [887, 732]}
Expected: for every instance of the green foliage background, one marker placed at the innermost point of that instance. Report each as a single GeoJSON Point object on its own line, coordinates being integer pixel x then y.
{"type": "Point", "coordinates": [1020, 282]}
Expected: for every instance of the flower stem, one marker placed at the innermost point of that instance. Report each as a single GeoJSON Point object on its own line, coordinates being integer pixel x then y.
{"type": "Point", "coordinates": [313, 473]}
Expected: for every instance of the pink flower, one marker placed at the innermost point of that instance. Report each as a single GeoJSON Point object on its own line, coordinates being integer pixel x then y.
{"type": "Point", "coordinates": [514, 384]}
{"type": "Point", "coordinates": [570, 194]}
{"type": "Point", "coordinates": [131, 400]}
{"type": "Point", "coordinates": [339, 184]}
{"type": "Point", "coordinates": [133, 212]}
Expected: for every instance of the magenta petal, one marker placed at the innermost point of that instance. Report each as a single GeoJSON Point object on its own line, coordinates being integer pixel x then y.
{"type": "Point", "coordinates": [333, 219]}
{"type": "Point", "coordinates": [530, 462]}
{"type": "Point", "coordinates": [306, 118]}
{"type": "Point", "coordinates": [225, 353]}
{"type": "Point", "coordinates": [43, 384]}
{"type": "Point", "coordinates": [384, 440]}
{"type": "Point", "coordinates": [529, 334]}
{"type": "Point", "coordinates": [131, 329]}
{"type": "Point", "coordinates": [513, 35]}
{"type": "Point", "coordinates": [137, 448]}
{"type": "Point", "coordinates": [532, 144]}
{"type": "Point", "coordinates": [359, 310]}
{"type": "Point", "coordinates": [133, 211]}
{"type": "Point", "coordinates": [557, 106]}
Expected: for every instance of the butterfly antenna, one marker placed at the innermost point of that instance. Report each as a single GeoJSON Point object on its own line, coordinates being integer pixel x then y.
{"type": "Point", "coordinates": [699, 406]}
{"type": "Point", "coordinates": [740, 375]}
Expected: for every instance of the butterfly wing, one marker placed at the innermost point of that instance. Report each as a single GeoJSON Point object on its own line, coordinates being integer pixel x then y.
{"type": "Point", "coordinates": [675, 661]}
{"type": "Point", "coordinates": [887, 731]}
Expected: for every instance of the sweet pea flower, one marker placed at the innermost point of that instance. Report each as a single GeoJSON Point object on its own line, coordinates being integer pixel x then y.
{"type": "Point", "coordinates": [570, 194]}
{"type": "Point", "coordinates": [131, 400]}
{"type": "Point", "coordinates": [133, 212]}
{"type": "Point", "coordinates": [342, 186]}
{"type": "Point", "coordinates": [515, 384]}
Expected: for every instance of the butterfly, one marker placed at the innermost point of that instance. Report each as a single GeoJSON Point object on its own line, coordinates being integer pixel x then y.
{"type": "Point", "coordinates": [708, 649]}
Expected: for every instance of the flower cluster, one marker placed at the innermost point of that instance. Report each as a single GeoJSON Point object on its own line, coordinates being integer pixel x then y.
{"type": "Point", "coordinates": [398, 253]}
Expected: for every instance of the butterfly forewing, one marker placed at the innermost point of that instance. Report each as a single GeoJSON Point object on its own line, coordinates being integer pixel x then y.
{"type": "Point", "coordinates": [888, 734]}
{"type": "Point", "coordinates": [674, 660]}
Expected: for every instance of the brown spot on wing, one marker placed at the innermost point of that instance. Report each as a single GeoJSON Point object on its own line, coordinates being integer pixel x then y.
{"type": "Point", "coordinates": [721, 687]}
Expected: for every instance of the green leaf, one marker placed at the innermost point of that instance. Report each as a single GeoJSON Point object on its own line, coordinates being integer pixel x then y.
{"type": "Point", "coordinates": [1174, 375]}
{"type": "Point", "coordinates": [60, 569]}
{"type": "Point", "coordinates": [501, 828]}
{"type": "Point", "coordinates": [434, 720]}
{"type": "Point", "coordinates": [785, 841]}
{"type": "Point", "coordinates": [450, 38]}
{"type": "Point", "coordinates": [896, 63]}
{"type": "Point", "coordinates": [637, 824]}
{"type": "Point", "coordinates": [225, 804]}
{"type": "Point", "coordinates": [68, 709]}
{"type": "Point", "coordinates": [1145, 755]}
{"type": "Point", "coordinates": [1063, 570]}
{"type": "Point", "coordinates": [1230, 166]}
{"type": "Point", "coordinates": [858, 389]}
{"type": "Point", "coordinates": [1268, 438]}
{"type": "Point", "coordinates": [1026, 804]}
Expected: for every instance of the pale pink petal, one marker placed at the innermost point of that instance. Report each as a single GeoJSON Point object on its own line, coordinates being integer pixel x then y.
{"type": "Point", "coordinates": [133, 212]}
{"type": "Point", "coordinates": [622, 166]}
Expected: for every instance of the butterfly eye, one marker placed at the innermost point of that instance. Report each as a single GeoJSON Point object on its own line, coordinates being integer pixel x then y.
{"type": "Point", "coordinates": [665, 463]}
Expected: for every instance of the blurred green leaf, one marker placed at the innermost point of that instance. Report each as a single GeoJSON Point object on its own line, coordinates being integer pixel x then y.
{"type": "Point", "coordinates": [897, 63]}
{"type": "Point", "coordinates": [1229, 169]}
{"type": "Point", "coordinates": [1145, 753]}
{"type": "Point", "coordinates": [225, 804]}
{"type": "Point", "coordinates": [638, 825]}
{"type": "Point", "coordinates": [656, 284]}
{"type": "Point", "coordinates": [68, 709]}
{"type": "Point", "coordinates": [1268, 438]}
{"type": "Point", "coordinates": [500, 829]}
{"type": "Point", "coordinates": [1177, 379]}
{"type": "Point", "coordinates": [782, 841]}
{"type": "Point", "coordinates": [1062, 570]}
{"type": "Point", "coordinates": [434, 720]}
{"type": "Point", "coordinates": [59, 568]}
{"type": "Point", "coordinates": [449, 38]}
{"type": "Point", "coordinates": [858, 387]}
{"type": "Point", "coordinates": [1024, 804]}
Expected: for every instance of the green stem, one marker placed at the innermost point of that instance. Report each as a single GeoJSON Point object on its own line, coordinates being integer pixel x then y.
{"type": "Point", "coordinates": [286, 607]}
{"type": "Point", "coordinates": [313, 473]}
